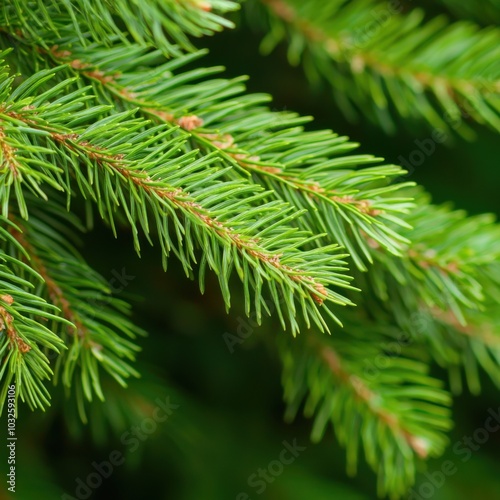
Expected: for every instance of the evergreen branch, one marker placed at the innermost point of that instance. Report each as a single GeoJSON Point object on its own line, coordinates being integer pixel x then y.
{"type": "Point", "coordinates": [23, 336]}
{"type": "Point", "coordinates": [212, 175]}
{"type": "Point", "coordinates": [368, 398]}
{"type": "Point", "coordinates": [395, 61]}
{"type": "Point", "coordinates": [286, 160]}
{"type": "Point", "coordinates": [146, 166]}
{"type": "Point", "coordinates": [165, 24]}
{"type": "Point", "coordinates": [451, 267]}
{"type": "Point", "coordinates": [452, 283]}
{"type": "Point", "coordinates": [165, 197]}
{"type": "Point", "coordinates": [465, 347]}
{"type": "Point", "coordinates": [461, 349]}
{"type": "Point", "coordinates": [368, 411]}
{"type": "Point", "coordinates": [99, 324]}
{"type": "Point", "coordinates": [122, 88]}
{"type": "Point", "coordinates": [438, 272]}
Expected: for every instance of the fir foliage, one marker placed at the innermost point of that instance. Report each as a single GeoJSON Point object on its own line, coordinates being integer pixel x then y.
{"type": "Point", "coordinates": [385, 61]}
{"type": "Point", "coordinates": [106, 105]}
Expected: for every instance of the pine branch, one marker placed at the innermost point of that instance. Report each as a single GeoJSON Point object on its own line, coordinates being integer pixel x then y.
{"type": "Point", "coordinates": [99, 331]}
{"type": "Point", "coordinates": [115, 84]}
{"type": "Point", "coordinates": [165, 24]}
{"type": "Point", "coordinates": [372, 412]}
{"type": "Point", "coordinates": [222, 182]}
{"type": "Point", "coordinates": [467, 348]}
{"type": "Point", "coordinates": [125, 87]}
{"type": "Point", "coordinates": [452, 266]}
{"type": "Point", "coordinates": [452, 284]}
{"type": "Point", "coordinates": [303, 168]}
{"type": "Point", "coordinates": [127, 163]}
{"type": "Point", "coordinates": [377, 59]}
{"type": "Point", "coordinates": [24, 339]}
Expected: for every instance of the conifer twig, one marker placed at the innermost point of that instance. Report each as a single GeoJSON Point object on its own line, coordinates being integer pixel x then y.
{"type": "Point", "coordinates": [364, 394]}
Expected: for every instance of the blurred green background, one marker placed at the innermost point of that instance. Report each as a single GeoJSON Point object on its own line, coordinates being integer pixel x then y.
{"type": "Point", "coordinates": [229, 422]}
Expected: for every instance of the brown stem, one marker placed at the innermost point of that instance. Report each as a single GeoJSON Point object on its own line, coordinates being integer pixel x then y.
{"type": "Point", "coordinates": [365, 394]}
{"type": "Point", "coordinates": [8, 156]}
{"type": "Point", "coordinates": [7, 324]}
{"type": "Point", "coordinates": [55, 293]}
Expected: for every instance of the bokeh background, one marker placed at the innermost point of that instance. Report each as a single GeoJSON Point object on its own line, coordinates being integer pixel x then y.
{"type": "Point", "coordinates": [229, 421]}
